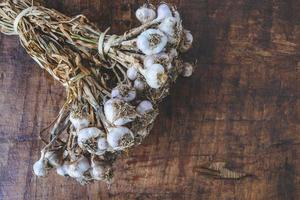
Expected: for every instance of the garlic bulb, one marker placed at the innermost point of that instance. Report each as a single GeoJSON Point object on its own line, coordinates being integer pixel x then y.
{"type": "Point", "coordinates": [139, 85]}
{"type": "Point", "coordinates": [118, 112]}
{"type": "Point", "coordinates": [124, 92]}
{"type": "Point", "coordinates": [168, 26]}
{"type": "Point", "coordinates": [78, 168]}
{"type": "Point", "coordinates": [62, 170]}
{"type": "Point", "coordinates": [161, 58]}
{"type": "Point", "coordinates": [120, 138]}
{"type": "Point", "coordinates": [144, 107]}
{"type": "Point", "coordinates": [163, 11]}
{"type": "Point", "coordinates": [87, 134]}
{"type": "Point", "coordinates": [54, 158]}
{"type": "Point", "coordinates": [99, 170]}
{"type": "Point", "coordinates": [78, 122]}
{"type": "Point", "coordinates": [188, 70]}
{"type": "Point", "coordinates": [187, 41]}
{"type": "Point", "coordinates": [145, 14]}
{"type": "Point", "coordinates": [152, 41]}
{"type": "Point", "coordinates": [155, 76]}
{"type": "Point", "coordinates": [39, 167]}
{"type": "Point", "coordinates": [132, 73]}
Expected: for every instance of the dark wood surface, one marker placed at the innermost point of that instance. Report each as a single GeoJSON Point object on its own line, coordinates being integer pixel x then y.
{"type": "Point", "coordinates": [242, 107]}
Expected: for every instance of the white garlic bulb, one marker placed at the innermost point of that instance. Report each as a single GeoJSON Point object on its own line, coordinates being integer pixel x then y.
{"type": "Point", "coordinates": [155, 76]}
{"type": "Point", "coordinates": [87, 134]}
{"type": "Point", "coordinates": [132, 73]}
{"type": "Point", "coordinates": [54, 158]}
{"type": "Point", "coordinates": [39, 167]}
{"type": "Point", "coordinates": [120, 138]}
{"type": "Point", "coordinates": [163, 11]}
{"type": "Point", "coordinates": [97, 172]}
{"type": "Point", "coordinates": [78, 122]}
{"type": "Point", "coordinates": [187, 41]}
{"type": "Point", "coordinates": [124, 92]}
{"type": "Point", "coordinates": [139, 85]}
{"type": "Point", "coordinates": [62, 170]}
{"type": "Point", "coordinates": [168, 26]}
{"type": "Point", "coordinates": [118, 112]}
{"type": "Point", "coordinates": [152, 41]}
{"type": "Point", "coordinates": [188, 70]}
{"type": "Point", "coordinates": [78, 168]}
{"type": "Point", "coordinates": [145, 14]}
{"type": "Point", "coordinates": [144, 107]}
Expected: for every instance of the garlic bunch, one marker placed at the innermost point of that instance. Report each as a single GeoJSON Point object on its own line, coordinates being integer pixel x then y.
{"type": "Point", "coordinates": [118, 112]}
{"type": "Point", "coordinates": [152, 41]}
{"type": "Point", "coordinates": [120, 138]}
{"type": "Point", "coordinates": [145, 14]}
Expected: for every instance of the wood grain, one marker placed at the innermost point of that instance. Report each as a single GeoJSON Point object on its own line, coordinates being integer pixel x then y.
{"type": "Point", "coordinates": [241, 107]}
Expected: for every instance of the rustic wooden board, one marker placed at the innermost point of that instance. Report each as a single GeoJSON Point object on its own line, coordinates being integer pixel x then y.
{"type": "Point", "coordinates": [242, 107]}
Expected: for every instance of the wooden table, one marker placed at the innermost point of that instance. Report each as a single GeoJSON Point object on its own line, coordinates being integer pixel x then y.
{"type": "Point", "coordinates": [241, 107]}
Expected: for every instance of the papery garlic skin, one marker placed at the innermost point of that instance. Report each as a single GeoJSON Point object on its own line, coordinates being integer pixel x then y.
{"type": "Point", "coordinates": [152, 41]}
{"type": "Point", "coordinates": [39, 167]}
{"type": "Point", "coordinates": [78, 168]}
{"type": "Point", "coordinates": [79, 123]}
{"type": "Point", "coordinates": [119, 135]}
{"type": "Point", "coordinates": [188, 70]}
{"type": "Point", "coordinates": [87, 134]}
{"type": "Point", "coordinates": [139, 85]}
{"type": "Point", "coordinates": [144, 107]}
{"type": "Point", "coordinates": [186, 42]}
{"type": "Point", "coordinates": [145, 14]}
{"type": "Point", "coordinates": [155, 76]}
{"type": "Point", "coordinates": [163, 11]}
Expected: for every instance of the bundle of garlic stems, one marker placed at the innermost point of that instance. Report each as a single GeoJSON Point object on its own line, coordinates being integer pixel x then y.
{"type": "Point", "coordinates": [113, 83]}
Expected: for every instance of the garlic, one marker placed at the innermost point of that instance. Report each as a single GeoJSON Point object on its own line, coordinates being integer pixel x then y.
{"type": "Point", "coordinates": [78, 168]}
{"type": "Point", "coordinates": [124, 92]}
{"type": "Point", "coordinates": [120, 138]}
{"type": "Point", "coordinates": [118, 112]}
{"type": "Point", "coordinates": [144, 107]}
{"type": "Point", "coordinates": [186, 42]}
{"type": "Point", "coordinates": [54, 158]}
{"type": "Point", "coordinates": [152, 41]}
{"type": "Point", "coordinates": [161, 58]}
{"type": "Point", "coordinates": [39, 167]}
{"type": "Point", "coordinates": [102, 144]}
{"type": "Point", "coordinates": [87, 134]}
{"type": "Point", "coordinates": [163, 11]}
{"type": "Point", "coordinates": [132, 73]}
{"type": "Point", "coordinates": [100, 170]}
{"type": "Point", "coordinates": [144, 14]}
{"type": "Point", "coordinates": [62, 170]}
{"type": "Point", "coordinates": [168, 26]}
{"type": "Point", "coordinates": [188, 70]}
{"type": "Point", "coordinates": [78, 122]}
{"type": "Point", "coordinates": [139, 85]}
{"type": "Point", "coordinates": [155, 76]}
